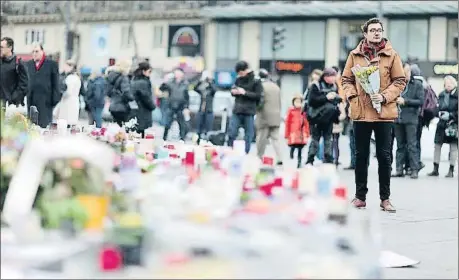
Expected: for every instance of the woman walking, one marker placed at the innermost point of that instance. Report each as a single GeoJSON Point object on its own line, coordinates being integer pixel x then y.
{"type": "Point", "coordinates": [446, 132]}
{"type": "Point", "coordinates": [119, 90]}
{"type": "Point", "coordinates": [143, 95]}
{"type": "Point", "coordinates": [69, 106]}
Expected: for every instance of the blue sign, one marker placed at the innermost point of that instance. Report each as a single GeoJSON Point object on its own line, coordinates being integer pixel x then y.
{"type": "Point", "coordinates": [225, 78]}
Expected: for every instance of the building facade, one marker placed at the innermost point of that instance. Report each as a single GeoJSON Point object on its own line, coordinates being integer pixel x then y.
{"type": "Point", "coordinates": [322, 34]}
{"type": "Point", "coordinates": [167, 38]}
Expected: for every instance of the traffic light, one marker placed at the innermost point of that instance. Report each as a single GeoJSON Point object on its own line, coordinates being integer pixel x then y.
{"type": "Point", "coordinates": [111, 62]}
{"type": "Point", "coordinates": [455, 42]}
{"type": "Point", "coordinates": [278, 38]}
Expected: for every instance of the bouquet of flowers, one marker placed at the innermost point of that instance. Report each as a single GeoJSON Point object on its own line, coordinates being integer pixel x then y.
{"type": "Point", "coordinates": [368, 77]}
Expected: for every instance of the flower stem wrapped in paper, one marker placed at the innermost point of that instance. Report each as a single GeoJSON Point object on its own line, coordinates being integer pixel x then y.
{"type": "Point", "coordinates": [368, 77]}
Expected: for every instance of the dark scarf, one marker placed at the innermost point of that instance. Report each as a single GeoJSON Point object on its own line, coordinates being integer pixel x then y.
{"type": "Point", "coordinates": [370, 51]}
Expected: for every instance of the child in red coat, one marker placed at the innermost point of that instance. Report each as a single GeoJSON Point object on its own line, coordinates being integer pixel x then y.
{"type": "Point", "coordinates": [296, 128]}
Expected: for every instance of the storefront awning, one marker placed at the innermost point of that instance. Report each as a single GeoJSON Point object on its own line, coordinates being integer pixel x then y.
{"type": "Point", "coordinates": [331, 9]}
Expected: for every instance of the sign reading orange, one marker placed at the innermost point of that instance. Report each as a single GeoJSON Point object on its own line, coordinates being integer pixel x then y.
{"type": "Point", "coordinates": [289, 66]}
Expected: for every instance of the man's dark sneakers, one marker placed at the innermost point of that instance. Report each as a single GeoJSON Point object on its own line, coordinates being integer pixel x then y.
{"type": "Point", "coordinates": [387, 206]}
{"type": "Point", "coordinates": [279, 163]}
{"type": "Point", "coordinates": [350, 167]}
{"type": "Point", "coordinates": [359, 204]}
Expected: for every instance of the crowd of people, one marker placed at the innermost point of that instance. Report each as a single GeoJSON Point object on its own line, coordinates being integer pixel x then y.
{"type": "Point", "coordinates": [333, 104]}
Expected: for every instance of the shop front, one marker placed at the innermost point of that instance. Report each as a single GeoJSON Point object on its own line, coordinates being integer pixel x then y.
{"type": "Point", "coordinates": [435, 72]}
{"type": "Point", "coordinates": [293, 77]}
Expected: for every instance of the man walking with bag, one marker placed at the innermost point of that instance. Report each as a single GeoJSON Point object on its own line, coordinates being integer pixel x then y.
{"type": "Point", "coordinates": [268, 117]}
{"type": "Point", "coordinates": [373, 50]}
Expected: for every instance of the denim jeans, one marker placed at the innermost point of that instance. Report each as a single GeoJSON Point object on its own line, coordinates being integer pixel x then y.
{"type": "Point", "coordinates": [362, 133]}
{"type": "Point", "coordinates": [247, 123]}
{"type": "Point", "coordinates": [352, 146]}
{"type": "Point", "coordinates": [318, 131]}
{"type": "Point", "coordinates": [96, 114]}
{"type": "Point", "coordinates": [169, 118]}
{"type": "Point", "coordinates": [204, 122]}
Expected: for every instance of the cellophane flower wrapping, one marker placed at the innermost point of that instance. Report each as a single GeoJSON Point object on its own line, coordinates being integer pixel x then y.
{"type": "Point", "coordinates": [369, 79]}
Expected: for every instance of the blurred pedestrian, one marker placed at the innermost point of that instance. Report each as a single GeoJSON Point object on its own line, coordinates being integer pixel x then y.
{"type": "Point", "coordinates": [69, 106]}
{"type": "Point", "coordinates": [14, 80]}
{"type": "Point", "coordinates": [177, 104]}
{"type": "Point", "coordinates": [142, 92]}
{"type": "Point", "coordinates": [118, 89]}
{"type": "Point", "coordinates": [447, 126]}
{"type": "Point", "coordinates": [405, 128]}
{"type": "Point", "coordinates": [95, 96]}
{"type": "Point", "coordinates": [428, 110]}
{"type": "Point", "coordinates": [205, 118]}
{"type": "Point", "coordinates": [44, 85]}
{"type": "Point", "coordinates": [376, 50]}
{"type": "Point", "coordinates": [322, 113]}
{"type": "Point", "coordinates": [296, 129]}
{"type": "Point", "coordinates": [247, 91]}
{"type": "Point", "coordinates": [268, 118]}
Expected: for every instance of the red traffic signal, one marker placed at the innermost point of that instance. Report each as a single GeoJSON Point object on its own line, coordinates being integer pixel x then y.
{"type": "Point", "coordinates": [111, 62]}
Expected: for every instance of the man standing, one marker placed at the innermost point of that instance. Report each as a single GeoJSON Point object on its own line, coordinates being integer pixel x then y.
{"type": "Point", "coordinates": [406, 125]}
{"type": "Point", "coordinates": [13, 75]}
{"type": "Point", "coordinates": [378, 51]}
{"type": "Point", "coordinates": [247, 91]}
{"type": "Point", "coordinates": [268, 117]}
{"type": "Point", "coordinates": [44, 85]}
{"type": "Point", "coordinates": [178, 102]}
{"type": "Point", "coordinates": [206, 89]}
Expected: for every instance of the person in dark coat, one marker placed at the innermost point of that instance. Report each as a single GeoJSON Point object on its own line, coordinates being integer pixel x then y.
{"type": "Point", "coordinates": [446, 132]}
{"type": "Point", "coordinates": [247, 91]}
{"type": "Point", "coordinates": [13, 75]}
{"type": "Point", "coordinates": [44, 86]}
{"type": "Point", "coordinates": [206, 89]}
{"type": "Point", "coordinates": [406, 125]}
{"type": "Point", "coordinates": [178, 101]}
{"type": "Point", "coordinates": [323, 111]}
{"type": "Point", "coordinates": [141, 90]}
{"type": "Point", "coordinates": [95, 97]}
{"type": "Point", "coordinates": [118, 88]}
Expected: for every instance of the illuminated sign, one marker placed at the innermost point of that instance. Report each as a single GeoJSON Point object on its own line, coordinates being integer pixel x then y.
{"type": "Point", "coordinates": [442, 69]}
{"type": "Point", "coordinates": [185, 36]}
{"type": "Point", "coordinates": [294, 67]}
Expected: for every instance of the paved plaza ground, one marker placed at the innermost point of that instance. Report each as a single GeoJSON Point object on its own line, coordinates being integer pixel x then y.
{"type": "Point", "coordinates": [425, 227]}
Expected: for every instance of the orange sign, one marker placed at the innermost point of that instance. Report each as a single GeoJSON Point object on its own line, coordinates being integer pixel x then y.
{"type": "Point", "coordinates": [289, 66]}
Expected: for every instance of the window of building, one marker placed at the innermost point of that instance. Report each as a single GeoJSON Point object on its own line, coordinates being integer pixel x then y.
{"type": "Point", "coordinates": [313, 40]}
{"type": "Point", "coordinates": [303, 40]}
{"type": "Point", "coordinates": [126, 37]}
{"type": "Point", "coordinates": [157, 36]}
{"type": "Point", "coordinates": [34, 35]}
{"type": "Point", "coordinates": [410, 38]}
{"type": "Point", "coordinates": [228, 40]}
{"type": "Point", "coordinates": [451, 47]}
{"type": "Point", "coordinates": [350, 36]}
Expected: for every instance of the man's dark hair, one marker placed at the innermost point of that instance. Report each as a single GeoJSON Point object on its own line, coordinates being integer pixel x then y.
{"type": "Point", "coordinates": [263, 73]}
{"type": "Point", "coordinates": [336, 68]}
{"type": "Point", "coordinates": [241, 66]}
{"type": "Point", "coordinates": [371, 21]}
{"type": "Point", "coordinates": [9, 42]}
{"type": "Point", "coordinates": [179, 69]}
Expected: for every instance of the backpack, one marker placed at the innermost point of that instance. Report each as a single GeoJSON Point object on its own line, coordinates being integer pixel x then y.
{"type": "Point", "coordinates": [429, 108]}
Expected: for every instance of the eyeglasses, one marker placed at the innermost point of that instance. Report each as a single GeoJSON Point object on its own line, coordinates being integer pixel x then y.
{"type": "Point", "coordinates": [35, 51]}
{"type": "Point", "coordinates": [379, 30]}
